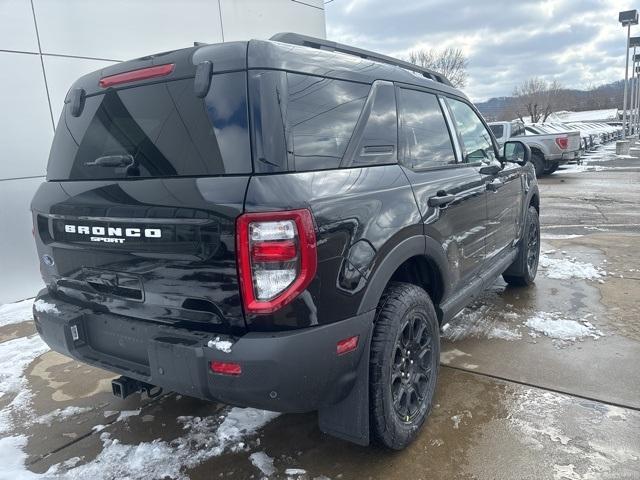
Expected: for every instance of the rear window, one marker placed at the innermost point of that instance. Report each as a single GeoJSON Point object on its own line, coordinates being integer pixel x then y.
{"type": "Point", "coordinates": [498, 130]}
{"type": "Point", "coordinates": [158, 130]}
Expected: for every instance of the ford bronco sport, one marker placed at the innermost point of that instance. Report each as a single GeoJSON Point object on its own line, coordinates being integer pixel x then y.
{"type": "Point", "coordinates": [280, 224]}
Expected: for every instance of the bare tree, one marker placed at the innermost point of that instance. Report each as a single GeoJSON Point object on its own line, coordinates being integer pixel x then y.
{"type": "Point", "coordinates": [537, 98]}
{"type": "Point", "coordinates": [450, 62]}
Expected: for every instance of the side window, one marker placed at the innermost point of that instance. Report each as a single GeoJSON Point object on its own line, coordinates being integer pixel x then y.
{"type": "Point", "coordinates": [424, 135]}
{"type": "Point", "coordinates": [321, 116]}
{"type": "Point", "coordinates": [475, 137]}
{"type": "Point", "coordinates": [379, 138]}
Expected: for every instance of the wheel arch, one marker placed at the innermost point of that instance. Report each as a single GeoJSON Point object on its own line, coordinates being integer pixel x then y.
{"type": "Point", "coordinates": [418, 260]}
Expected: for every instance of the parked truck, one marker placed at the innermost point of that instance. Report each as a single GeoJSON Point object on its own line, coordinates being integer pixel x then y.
{"type": "Point", "coordinates": [548, 151]}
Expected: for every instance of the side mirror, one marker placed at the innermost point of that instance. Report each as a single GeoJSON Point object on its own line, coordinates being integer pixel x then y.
{"type": "Point", "coordinates": [516, 152]}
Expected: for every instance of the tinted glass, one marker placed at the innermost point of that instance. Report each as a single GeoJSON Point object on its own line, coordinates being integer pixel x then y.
{"type": "Point", "coordinates": [475, 137]}
{"type": "Point", "coordinates": [321, 114]}
{"type": "Point", "coordinates": [378, 142]}
{"type": "Point", "coordinates": [424, 135]}
{"type": "Point", "coordinates": [498, 130]}
{"type": "Point", "coordinates": [158, 130]}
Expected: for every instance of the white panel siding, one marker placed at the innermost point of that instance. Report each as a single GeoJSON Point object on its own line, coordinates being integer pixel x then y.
{"type": "Point", "coordinates": [19, 270]}
{"type": "Point", "coordinates": [17, 30]}
{"type": "Point", "coordinates": [124, 29]}
{"type": "Point", "coordinates": [25, 124]}
{"type": "Point", "coordinates": [62, 72]}
{"type": "Point", "coordinates": [246, 19]}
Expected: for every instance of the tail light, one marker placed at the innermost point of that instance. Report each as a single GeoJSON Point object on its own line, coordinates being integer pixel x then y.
{"type": "Point", "coordinates": [562, 142]}
{"type": "Point", "coordinates": [226, 368]}
{"type": "Point", "coordinates": [137, 75]}
{"type": "Point", "coordinates": [277, 257]}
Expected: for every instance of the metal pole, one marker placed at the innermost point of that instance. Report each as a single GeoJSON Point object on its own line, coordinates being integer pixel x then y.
{"type": "Point", "coordinates": [632, 93]}
{"type": "Point", "coordinates": [626, 80]}
{"type": "Point", "coordinates": [637, 99]}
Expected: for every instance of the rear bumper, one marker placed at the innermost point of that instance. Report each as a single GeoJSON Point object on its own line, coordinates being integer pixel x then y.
{"type": "Point", "coordinates": [293, 371]}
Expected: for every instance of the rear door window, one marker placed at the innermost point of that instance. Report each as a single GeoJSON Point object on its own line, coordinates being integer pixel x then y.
{"type": "Point", "coordinates": [424, 136]}
{"type": "Point", "coordinates": [321, 114]}
{"type": "Point", "coordinates": [157, 130]}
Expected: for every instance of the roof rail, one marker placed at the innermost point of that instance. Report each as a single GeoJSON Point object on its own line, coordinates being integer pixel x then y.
{"type": "Point", "coordinates": [319, 43]}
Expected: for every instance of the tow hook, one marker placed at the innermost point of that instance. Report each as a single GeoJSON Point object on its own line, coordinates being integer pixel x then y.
{"type": "Point", "coordinates": [125, 386]}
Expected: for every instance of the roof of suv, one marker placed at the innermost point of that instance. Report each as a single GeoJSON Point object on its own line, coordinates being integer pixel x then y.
{"type": "Point", "coordinates": [299, 53]}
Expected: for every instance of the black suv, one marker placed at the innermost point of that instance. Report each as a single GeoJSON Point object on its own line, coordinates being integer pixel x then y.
{"type": "Point", "coordinates": [280, 224]}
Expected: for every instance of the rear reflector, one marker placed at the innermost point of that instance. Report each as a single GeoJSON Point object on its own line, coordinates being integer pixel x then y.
{"type": "Point", "coordinates": [347, 345]}
{"type": "Point", "coordinates": [137, 75]}
{"type": "Point", "coordinates": [226, 368]}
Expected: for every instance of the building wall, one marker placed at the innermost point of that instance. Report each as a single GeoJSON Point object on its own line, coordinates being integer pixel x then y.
{"type": "Point", "coordinates": [46, 44]}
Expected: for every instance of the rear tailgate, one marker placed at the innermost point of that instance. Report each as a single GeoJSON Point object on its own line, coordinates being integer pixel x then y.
{"type": "Point", "coordinates": [137, 216]}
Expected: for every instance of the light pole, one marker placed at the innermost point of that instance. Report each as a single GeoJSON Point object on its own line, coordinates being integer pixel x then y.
{"type": "Point", "coordinates": [627, 18]}
{"type": "Point", "coordinates": [634, 42]}
{"type": "Point", "coordinates": [637, 124]}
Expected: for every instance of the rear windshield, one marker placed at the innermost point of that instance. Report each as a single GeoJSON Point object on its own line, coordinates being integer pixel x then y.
{"type": "Point", "coordinates": [498, 130]}
{"type": "Point", "coordinates": [158, 130]}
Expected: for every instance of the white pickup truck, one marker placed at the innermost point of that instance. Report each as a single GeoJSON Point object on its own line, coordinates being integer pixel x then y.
{"type": "Point", "coordinates": [548, 151]}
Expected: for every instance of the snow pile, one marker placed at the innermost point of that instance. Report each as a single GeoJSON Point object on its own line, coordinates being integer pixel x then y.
{"type": "Point", "coordinates": [160, 459]}
{"type": "Point", "coordinates": [15, 357]}
{"type": "Point", "coordinates": [553, 326]}
{"type": "Point", "coordinates": [18, 312]}
{"type": "Point", "coordinates": [61, 414]}
{"type": "Point", "coordinates": [222, 345]}
{"type": "Point", "coordinates": [566, 268]}
{"type": "Point", "coordinates": [263, 462]}
{"type": "Point", "coordinates": [12, 458]}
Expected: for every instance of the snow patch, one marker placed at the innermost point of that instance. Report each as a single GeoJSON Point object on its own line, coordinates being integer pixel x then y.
{"type": "Point", "coordinates": [12, 313]}
{"type": "Point", "coordinates": [295, 471]}
{"type": "Point", "coordinates": [482, 322]}
{"type": "Point", "coordinates": [553, 326]}
{"type": "Point", "coordinates": [124, 414]}
{"type": "Point", "coordinates": [12, 458]}
{"type": "Point", "coordinates": [222, 345]}
{"type": "Point", "coordinates": [456, 419]}
{"type": "Point", "coordinates": [61, 414]}
{"type": "Point", "coordinates": [558, 236]}
{"type": "Point", "coordinates": [44, 307]}
{"type": "Point", "coordinates": [156, 459]}
{"type": "Point", "coordinates": [15, 357]}
{"type": "Point", "coordinates": [263, 462]}
{"type": "Point", "coordinates": [566, 268]}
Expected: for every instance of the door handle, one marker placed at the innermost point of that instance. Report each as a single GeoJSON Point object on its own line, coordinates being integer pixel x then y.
{"type": "Point", "coordinates": [441, 200]}
{"type": "Point", "coordinates": [495, 185]}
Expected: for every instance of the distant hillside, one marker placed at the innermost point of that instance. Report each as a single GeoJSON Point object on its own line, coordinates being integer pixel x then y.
{"type": "Point", "coordinates": [604, 96]}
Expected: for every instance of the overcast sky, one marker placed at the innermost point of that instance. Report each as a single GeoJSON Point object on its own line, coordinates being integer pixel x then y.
{"type": "Point", "coordinates": [578, 42]}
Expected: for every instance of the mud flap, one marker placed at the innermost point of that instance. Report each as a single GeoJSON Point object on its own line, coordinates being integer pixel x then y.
{"type": "Point", "coordinates": [349, 418]}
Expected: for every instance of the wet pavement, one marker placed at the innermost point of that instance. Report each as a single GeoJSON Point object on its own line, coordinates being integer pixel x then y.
{"type": "Point", "coordinates": [536, 383]}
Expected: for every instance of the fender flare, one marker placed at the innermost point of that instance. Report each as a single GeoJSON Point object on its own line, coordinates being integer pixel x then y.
{"type": "Point", "coordinates": [419, 245]}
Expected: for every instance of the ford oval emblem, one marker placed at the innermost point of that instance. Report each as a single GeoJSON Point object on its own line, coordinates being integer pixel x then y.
{"type": "Point", "coordinates": [48, 260]}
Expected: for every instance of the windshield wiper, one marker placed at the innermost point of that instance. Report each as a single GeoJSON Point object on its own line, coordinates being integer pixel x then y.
{"type": "Point", "coordinates": [112, 161]}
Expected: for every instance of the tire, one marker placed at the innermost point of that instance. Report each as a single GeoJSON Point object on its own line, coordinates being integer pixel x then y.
{"type": "Point", "coordinates": [538, 163]}
{"type": "Point", "coordinates": [551, 167]}
{"type": "Point", "coordinates": [522, 271]}
{"type": "Point", "coordinates": [403, 382]}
